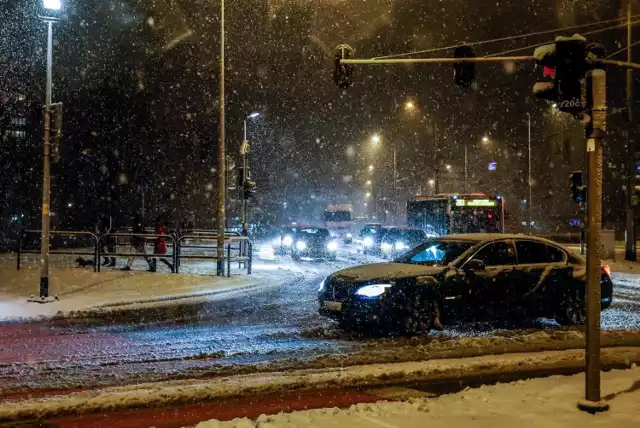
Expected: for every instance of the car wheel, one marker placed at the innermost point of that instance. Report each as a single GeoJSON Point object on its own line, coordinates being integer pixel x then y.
{"type": "Point", "coordinates": [573, 311]}
{"type": "Point", "coordinates": [418, 315]}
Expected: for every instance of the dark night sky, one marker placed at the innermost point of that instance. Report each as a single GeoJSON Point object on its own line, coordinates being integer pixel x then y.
{"type": "Point", "coordinates": [139, 81]}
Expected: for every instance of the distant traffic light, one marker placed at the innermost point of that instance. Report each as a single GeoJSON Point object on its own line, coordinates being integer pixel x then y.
{"type": "Point", "coordinates": [464, 73]}
{"type": "Point", "coordinates": [249, 189]}
{"type": "Point", "coordinates": [342, 72]}
{"type": "Point", "coordinates": [578, 189]}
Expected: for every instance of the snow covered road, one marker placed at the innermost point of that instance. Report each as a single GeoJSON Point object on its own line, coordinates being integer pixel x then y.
{"type": "Point", "coordinates": [240, 332]}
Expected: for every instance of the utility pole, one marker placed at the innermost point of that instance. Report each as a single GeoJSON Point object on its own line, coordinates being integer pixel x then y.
{"type": "Point", "coordinates": [395, 186]}
{"type": "Point", "coordinates": [244, 149]}
{"type": "Point", "coordinates": [596, 84]}
{"type": "Point", "coordinates": [530, 200]}
{"type": "Point", "coordinates": [630, 220]}
{"type": "Point", "coordinates": [221, 157]}
{"type": "Point", "coordinates": [436, 167]}
{"type": "Point", "coordinates": [466, 189]}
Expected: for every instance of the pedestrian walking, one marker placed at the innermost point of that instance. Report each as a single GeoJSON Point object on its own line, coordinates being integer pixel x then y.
{"type": "Point", "coordinates": [138, 243]}
{"type": "Point", "coordinates": [107, 242]}
{"type": "Point", "coordinates": [160, 246]}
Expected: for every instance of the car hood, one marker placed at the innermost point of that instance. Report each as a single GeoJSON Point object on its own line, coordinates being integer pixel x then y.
{"type": "Point", "coordinates": [385, 271]}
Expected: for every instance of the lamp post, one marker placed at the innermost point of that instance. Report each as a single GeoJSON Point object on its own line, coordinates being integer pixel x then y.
{"type": "Point", "coordinates": [221, 158]}
{"type": "Point", "coordinates": [244, 150]}
{"type": "Point", "coordinates": [51, 6]}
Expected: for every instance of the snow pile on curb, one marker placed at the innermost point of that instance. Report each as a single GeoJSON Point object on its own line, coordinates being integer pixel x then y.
{"type": "Point", "coordinates": [84, 293]}
{"type": "Point", "coordinates": [547, 402]}
{"type": "Point", "coordinates": [196, 391]}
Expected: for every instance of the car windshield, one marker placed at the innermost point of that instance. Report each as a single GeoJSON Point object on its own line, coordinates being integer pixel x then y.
{"type": "Point", "coordinates": [435, 253]}
{"type": "Point", "coordinates": [312, 234]}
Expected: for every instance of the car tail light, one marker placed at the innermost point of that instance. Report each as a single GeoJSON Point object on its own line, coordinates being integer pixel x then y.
{"type": "Point", "coordinates": [607, 270]}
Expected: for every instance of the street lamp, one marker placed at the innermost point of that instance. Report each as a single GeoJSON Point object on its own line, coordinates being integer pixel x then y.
{"type": "Point", "coordinates": [375, 139]}
{"type": "Point", "coordinates": [485, 139]}
{"type": "Point", "coordinates": [51, 6]}
{"type": "Point", "coordinates": [409, 106]}
{"type": "Point", "coordinates": [244, 150]}
{"type": "Point", "coordinates": [370, 168]}
{"type": "Point", "coordinates": [368, 182]}
{"type": "Point", "coordinates": [448, 167]}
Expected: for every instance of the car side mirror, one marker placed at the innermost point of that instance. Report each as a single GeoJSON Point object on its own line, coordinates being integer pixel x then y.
{"type": "Point", "coordinates": [474, 265]}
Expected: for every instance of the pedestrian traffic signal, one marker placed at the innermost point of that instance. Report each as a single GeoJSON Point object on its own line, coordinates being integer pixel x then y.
{"type": "Point", "coordinates": [342, 72]}
{"type": "Point", "coordinates": [563, 66]}
{"type": "Point", "coordinates": [578, 189]}
{"type": "Point", "coordinates": [249, 189]}
{"type": "Point", "coordinates": [464, 73]}
{"type": "Point", "coordinates": [241, 176]}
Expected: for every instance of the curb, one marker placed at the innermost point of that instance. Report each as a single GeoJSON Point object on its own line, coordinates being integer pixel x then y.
{"type": "Point", "coordinates": [198, 391]}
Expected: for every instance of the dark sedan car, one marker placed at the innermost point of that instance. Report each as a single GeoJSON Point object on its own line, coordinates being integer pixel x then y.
{"type": "Point", "coordinates": [462, 278]}
{"type": "Point", "coordinates": [314, 243]}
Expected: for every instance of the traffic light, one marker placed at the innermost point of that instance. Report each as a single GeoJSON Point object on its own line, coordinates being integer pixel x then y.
{"type": "Point", "coordinates": [563, 69]}
{"type": "Point", "coordinates": [56, 130]}
{"type": "Point", "coordinates": [249, 189]}
{"type": "Point", "coordinates": [464, 73]}
{"type": "Point", "coordinates": [342, 72]}
{"type": "Point", "coordinates": [578, 189]}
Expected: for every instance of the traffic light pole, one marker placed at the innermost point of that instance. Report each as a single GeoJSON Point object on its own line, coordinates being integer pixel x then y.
{"type": "Point", "coordinates": [592, 402]}
{"type": "Point", "coordinates": [630, 218]}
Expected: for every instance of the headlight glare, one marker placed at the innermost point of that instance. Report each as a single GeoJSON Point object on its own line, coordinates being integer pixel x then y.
{"type": "Point", "coordinates": [301, 245]}
{"type": "Point", "coordinates": [374, 290]}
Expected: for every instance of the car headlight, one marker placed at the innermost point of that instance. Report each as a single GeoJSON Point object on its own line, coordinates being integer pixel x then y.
{"type": "Point", "coordinates": [276, 242]}
{"type": "Point", "coordinates": [349, 236]}
{"type": "Point", "coordinates": [301, 245]}
{"type": "Point", "coordinates": [372, 290]}
{"type": "Point", "coordinates": [368, 241]}
{"type": "Point", "coordinates": [400, 246]}
{"type": "Point", "coordinates": [322, 285]}
{"type": "Point", "coordinates": [332, 246]}
{"type": "Point", "coordinates": [287, 240]}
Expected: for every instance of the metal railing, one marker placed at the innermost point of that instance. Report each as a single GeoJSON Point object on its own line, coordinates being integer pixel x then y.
{"type": "Point", "coordinates": [94, 242]}
{"type": "Point", "coordinates": [238, 249]}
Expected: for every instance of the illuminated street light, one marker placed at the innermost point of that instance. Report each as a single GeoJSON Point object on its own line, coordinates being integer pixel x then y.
{"type": "Point", "coordinates": [409, 106]}
{"type": "Point", "coordinates": [52, 4]}
{"type": "Point", "coordinates": [70, 205]}
{"type": "Point", "coordinates": [554, 106]}
{"type": "Point", "coordinates": [432, 182]}
{"type": "Point", "coordinates": [254, 115]}
{"type": "Point", "coordinates": [448, 167]}
{"type": "Point", "coordinates": [485, 139]}
{"type": "Point", "coordinates": [370, 167]}
{"type": "Point", "coordinates": [368, 182]}
{"type": "Point", "coordinates": [367, 195]}
{"type": "Point", "coordinates": [375, 139]}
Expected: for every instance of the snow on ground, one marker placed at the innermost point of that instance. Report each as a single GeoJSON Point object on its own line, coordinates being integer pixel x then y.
{"type": "Point", "coordinates": [83, 290]}
{"type": "Point", "coordinates": [200, 390]}
{"type": "Point", "coordinates": [545, 402]}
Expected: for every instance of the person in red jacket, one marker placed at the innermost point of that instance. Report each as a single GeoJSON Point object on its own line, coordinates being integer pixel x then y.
{"type": "Point", "coordinates": [160, 246]}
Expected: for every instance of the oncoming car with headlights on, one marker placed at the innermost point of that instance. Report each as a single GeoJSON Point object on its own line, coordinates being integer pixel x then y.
{"type": "Point", "coordinates": [399, 240]}
{"type": "Point", "coordinates": [458, 278]}
{"type": "Point", "coordinates": [314, 243]}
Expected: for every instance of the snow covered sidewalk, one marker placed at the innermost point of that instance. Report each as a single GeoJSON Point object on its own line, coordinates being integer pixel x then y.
{"type": "Point", "coordinates": [545, 402]}
{"type": "Point", "coordinates": [82, 292]}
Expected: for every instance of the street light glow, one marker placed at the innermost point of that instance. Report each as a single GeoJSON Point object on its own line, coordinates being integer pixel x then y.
{"type": "Point", "coordinates": [485, 139]}
{"type": "Point", "coordinates": [368, 182]}
{"type": "Point", "coordinates": [409, 105]}
{"type": "Point", "coordinates": [254, 115]}
{"type": "Point", "coordinates": [52, 4]}
{"type": "Point", "coordinates": [368, 194]}
{"type": "Point", "coordinates": [432, 182]}
{"type": "Point", "coordinates": [375, 139]}
{"type": "Point", "coordinates": [554, 106]}
{"type": "Point", "coordinates": [370, 167]}
{"type": "Point", "coordinates": [448, 167]}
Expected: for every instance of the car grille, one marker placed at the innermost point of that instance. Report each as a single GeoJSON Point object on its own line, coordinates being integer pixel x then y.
{"type": "Point", "coordinates": [339, 291]}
